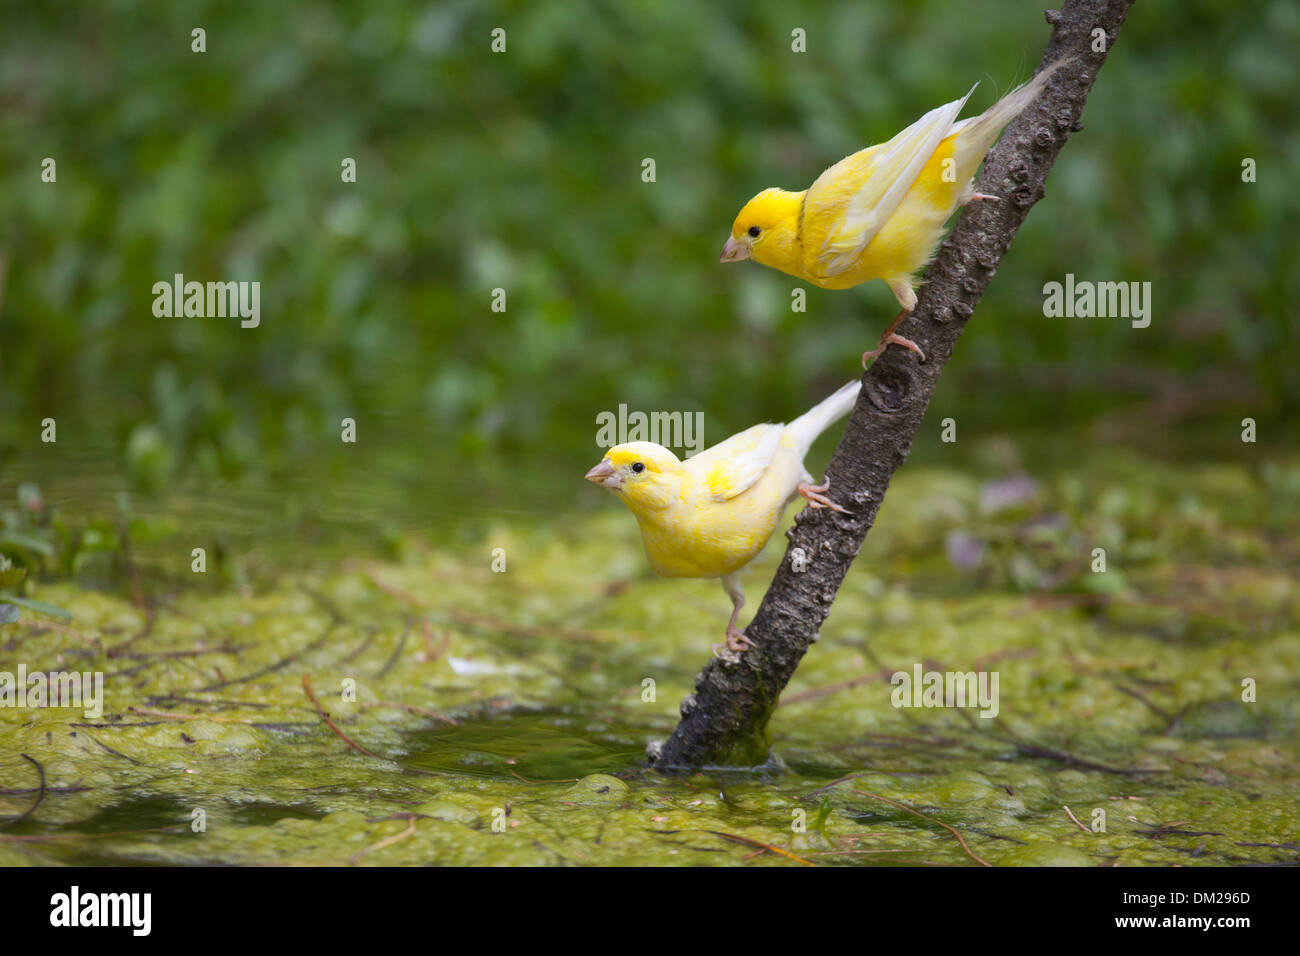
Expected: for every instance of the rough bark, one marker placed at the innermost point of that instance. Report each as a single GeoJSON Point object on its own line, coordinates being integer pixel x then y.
{"type": "Point", "coordinates": [724, 723]}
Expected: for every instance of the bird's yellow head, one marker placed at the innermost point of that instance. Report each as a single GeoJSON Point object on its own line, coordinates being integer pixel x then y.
{"type": "Point", "coordinates": [766, 230]}
{"type": "Point", "coordinates": [648, 477]}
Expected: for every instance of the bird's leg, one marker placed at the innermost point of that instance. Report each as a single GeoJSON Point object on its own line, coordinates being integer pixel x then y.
{"type": "Point", "coordinates": [889, 338]}
{"type": "Point", "coordinates": [817, 498]}
{"type": "Point", "coordinates": [974, 196]}
{"type": "Point", "coordinates": [736, 641]}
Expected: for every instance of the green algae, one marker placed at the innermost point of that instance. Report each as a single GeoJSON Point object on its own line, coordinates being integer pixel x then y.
{"type": "Point", "coordinates": [501, 719]}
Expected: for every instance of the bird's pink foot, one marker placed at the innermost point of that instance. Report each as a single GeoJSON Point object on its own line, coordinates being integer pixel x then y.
{"type": "Point", "coordinates": [888, 339]}
{"type": "Point", "coordinates": [817, 498]}
{"type": "Point", "coordinates": [736, 641]}
{"type": "Point", "coordinates": [974, 196]}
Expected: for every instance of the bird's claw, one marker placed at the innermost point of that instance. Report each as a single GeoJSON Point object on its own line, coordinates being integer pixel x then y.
{"type": "Point", "coordinates": [736, 642]}
{"type": "Point", "coordinates": [886, 341]}
{"type": "Point", "coordinates": [817, 498]}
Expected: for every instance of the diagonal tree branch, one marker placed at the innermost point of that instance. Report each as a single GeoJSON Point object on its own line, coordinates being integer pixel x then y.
{"type": "Point", "coordinates": [724, 723]}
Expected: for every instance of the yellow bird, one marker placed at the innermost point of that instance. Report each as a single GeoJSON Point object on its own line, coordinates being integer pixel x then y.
{"type": "Point", "coordinates": [880, 213]}
{"type": "Point", "coordinates": [710, 515]}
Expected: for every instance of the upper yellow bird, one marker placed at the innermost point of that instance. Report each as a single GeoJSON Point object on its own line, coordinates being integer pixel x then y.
{"type": "Point", "coordinates": [879, 213]}
{"type": "Point", "coordinates": [710, 515]}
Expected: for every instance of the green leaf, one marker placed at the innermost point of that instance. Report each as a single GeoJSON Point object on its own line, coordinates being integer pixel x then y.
{"type": "Point", "coordinates": [40, 607]}
{"type": "Point", "coordinates": [823, 814]}
{"type": "Point", "coordinates": [26, 542]}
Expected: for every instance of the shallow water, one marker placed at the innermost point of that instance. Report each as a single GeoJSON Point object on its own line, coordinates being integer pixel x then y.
{"type": "Point", "coordinates": [501, 718]}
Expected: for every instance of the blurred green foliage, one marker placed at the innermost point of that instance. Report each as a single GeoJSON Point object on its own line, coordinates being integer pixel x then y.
{"type": "Point", "coordinates": [522, 170]}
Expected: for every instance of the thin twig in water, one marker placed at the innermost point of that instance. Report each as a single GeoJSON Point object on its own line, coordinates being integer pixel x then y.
{"type": "Point", "coordinates": [852, 776]}
{"type": "Point", "coordinates": [217, 702]}
{"type": "Point", "coordinates": [169, 716]}
{"type": "Point", "coordinates": [903, 806]}
{"type": "Point", "coordinates": [393, 590]}
{"type": "Point", "coordinates": [269, 669]}
{"type": "Point", "coordinates": [409, 708]}
{"type": "Point", "coordinates": [370, 636]}
{"type": "Point", "coordinates": [329, 606]}
{"type": "Point", "coordinates": [387, 841]}
{"type": "Point", "coordinates": [15, 791]}
{"type": "Point", "coordinates": [737, 838]}
{"type": "Point", "coordinates": [1075, 819]}
{"type": "Point", "coordinates": [115, 753]}
{"type": "Point", "coordinates": [148, 660]}
{"type": "Point", "coordinates": [397, 651]}
{"type": "Point", "coordinates": [47, 625]}
{"type": "Point", "coordinates": [432, 654]}
{"type": "Point", "coordinates": [306, 686]}
{"type": "Point", "coordinates": [39, 797]}
{"type": "Point", "coordinates": [1142, 698]}
{"type": "Point", "coordinates": [1035, 750]}
{"type": "Point", "coordinates": [813, 693]}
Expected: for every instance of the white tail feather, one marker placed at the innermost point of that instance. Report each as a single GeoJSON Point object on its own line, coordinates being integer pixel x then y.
{"type": "Point", "coordinates": [808, 426]}
{"type": "Point", "coordinates": [978, 134]}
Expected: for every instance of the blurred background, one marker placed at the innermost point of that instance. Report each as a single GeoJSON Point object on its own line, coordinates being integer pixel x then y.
{"type": "Point", "coordinates": [523, 170]}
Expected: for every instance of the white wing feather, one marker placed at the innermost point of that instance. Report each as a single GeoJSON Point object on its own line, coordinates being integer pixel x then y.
{"type": "Point", "coordinates": [893, 170]}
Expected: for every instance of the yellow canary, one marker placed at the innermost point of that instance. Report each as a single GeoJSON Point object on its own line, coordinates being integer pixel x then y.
{"type": "Point", "coordinates": [879, 213]}
{"type": "Point", "coordinates": [710, 515]}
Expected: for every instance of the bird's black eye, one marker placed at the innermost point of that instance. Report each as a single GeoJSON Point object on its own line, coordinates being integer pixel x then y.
{"type": "Point", "coordinates": [754, 231]}
{"type": "Point", "coordinates": [638, 467]}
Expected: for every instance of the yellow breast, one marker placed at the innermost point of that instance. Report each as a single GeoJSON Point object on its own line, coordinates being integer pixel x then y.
{"type": "Point", "coordinates": [707, 538]}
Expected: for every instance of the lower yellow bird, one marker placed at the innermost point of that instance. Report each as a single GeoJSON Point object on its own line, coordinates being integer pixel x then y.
{"type": "Point", "coordinates": [879, 213]}
{"type": "Point", "coordinates": [710, 515]}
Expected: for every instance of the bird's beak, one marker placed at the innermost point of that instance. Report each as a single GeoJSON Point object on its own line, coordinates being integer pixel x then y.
{"type": "Point", "coordinates": [604, 474]}
{"type": "Point", "coordinates": [734, 251]}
